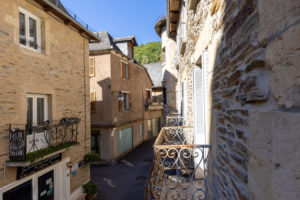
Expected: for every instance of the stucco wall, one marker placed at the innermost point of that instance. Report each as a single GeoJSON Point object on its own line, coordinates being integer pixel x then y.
{"type": "Point", "coordinates": [60, 71]}
{"type": "Point", "coordinates": [101, 84]}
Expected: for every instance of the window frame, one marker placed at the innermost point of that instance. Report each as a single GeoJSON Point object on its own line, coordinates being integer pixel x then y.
{"type": "Point", "coordinates": [127, 75]}
{"type": "Point", "coordinates": [27, 30]}
{"type": "Point", "coordinates": [34, 107]}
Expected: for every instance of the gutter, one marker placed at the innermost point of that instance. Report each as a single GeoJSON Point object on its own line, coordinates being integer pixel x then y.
{"type": "Point", "coordinates": [68, 19]}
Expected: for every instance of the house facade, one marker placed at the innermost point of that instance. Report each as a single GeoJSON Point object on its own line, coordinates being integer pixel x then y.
{"type": "Point", "coordinates": [122, 115]}
{"type": "Point", "coordinates": [44, 101]}
{"type": "Point", "coordinates": [237, 75]}
{"type": "Point", "coordinates": [169, 72]}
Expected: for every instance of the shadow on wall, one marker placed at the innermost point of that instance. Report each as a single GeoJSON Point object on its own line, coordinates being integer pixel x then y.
{"type": "Point", "coordinates": [169, 83]}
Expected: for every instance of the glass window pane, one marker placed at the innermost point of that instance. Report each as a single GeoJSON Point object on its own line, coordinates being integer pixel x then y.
{"type": "Point", "coordinates": [29, 113]}
{"type": "Point", "coordinates": [32, 34]}
{"type": "Point", "coordinates": [22, 29]}
{"type": "Point", "coordinates": [21, 192]}
{"type": "Point", "coordinates": [40, 110]}
{"type": "Point", "coordinates": [127, 75]}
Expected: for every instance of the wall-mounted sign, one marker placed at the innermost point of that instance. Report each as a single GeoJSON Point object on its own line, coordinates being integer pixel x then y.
{"type": "Point", "coordinates": [26, 171]}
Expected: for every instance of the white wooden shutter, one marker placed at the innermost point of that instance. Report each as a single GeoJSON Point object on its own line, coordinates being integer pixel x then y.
{"type": "Point", "coordinates": [198, 97]}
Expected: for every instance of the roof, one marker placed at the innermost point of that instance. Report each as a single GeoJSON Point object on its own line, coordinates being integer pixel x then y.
{"type": "Point", "coordinates": [106, 42]}
{"type": "Point", "coordinates": [155, 72]}
{"type": "Point", "coordinates": [58, 9]}
{"type": "Point", "coordinates": [160, 24]}
{"type": "Point", "coordinates": [126, 39]}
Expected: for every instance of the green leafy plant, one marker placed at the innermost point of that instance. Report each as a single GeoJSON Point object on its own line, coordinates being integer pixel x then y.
{"type": "Point", "coordinates": [148, 53]}
{"type": "Point", "coordinates": [91, 157]}
{"type": "Point", "coordinates": [90, 188]}
{"type": "Point", "coordinates": [31, 157]}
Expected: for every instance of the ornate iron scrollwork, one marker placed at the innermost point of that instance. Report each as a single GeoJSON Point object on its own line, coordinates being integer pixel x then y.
{"type": "Point", "coordinates": [48, 134]}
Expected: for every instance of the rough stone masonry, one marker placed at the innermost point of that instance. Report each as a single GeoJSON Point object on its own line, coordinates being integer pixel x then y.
{"type": "Point", "coordinates": [253, 108]}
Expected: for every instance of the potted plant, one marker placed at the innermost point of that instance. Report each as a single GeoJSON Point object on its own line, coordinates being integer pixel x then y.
{"type": "Point", "coordinates": [91, 190]}
{"type": "Point", "coordinates": [91, 157]}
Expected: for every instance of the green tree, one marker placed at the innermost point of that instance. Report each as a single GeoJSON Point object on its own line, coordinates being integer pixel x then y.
{"type": "Point", "coordinates": [148, 53]}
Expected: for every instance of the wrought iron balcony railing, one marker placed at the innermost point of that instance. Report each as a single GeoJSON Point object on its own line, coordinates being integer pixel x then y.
{"type": "Point", "coordinates": [26, 141]}
{"type": "Point", "coordinates": [175, 121]}
{"type": "Point", "coordinates": [179, 166]}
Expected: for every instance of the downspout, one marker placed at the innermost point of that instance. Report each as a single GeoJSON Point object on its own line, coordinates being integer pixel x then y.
{"type": "Point", "coordinates": [84, 80]}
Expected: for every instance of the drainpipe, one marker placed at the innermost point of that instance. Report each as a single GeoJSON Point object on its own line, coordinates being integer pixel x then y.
{"type": "Point", "coordinates": [84, 82]}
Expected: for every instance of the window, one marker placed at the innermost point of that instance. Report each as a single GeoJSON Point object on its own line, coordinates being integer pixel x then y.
{"type": "Point", "coordinates": [37, 109]}
{"type": "Point", "coordinates": [150, 134]}
{"type": "Point", "coordinates": [125, 103]}
{"type": "Point", "coordinates": [124, 70]}
{"type": "Point", "coordinates": [29, 30]}
{"type": "Point", "coordinates": [148, 96]}
{"type": "Point", "coordinates": [93, 101]}
{"type": "Point", "coordinates": [92, 67]}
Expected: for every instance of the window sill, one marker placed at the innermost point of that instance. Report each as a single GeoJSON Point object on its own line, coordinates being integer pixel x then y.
{"type": "Point", "coordinates": [124, 79]}
{"type": "Point", "coordinates": [32, 49]}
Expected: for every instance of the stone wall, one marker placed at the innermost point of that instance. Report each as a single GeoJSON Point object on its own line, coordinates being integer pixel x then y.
{"type": "Point", "coordinates": [252, 100]}
{"type": "Point", "coordinates": [59, 71]}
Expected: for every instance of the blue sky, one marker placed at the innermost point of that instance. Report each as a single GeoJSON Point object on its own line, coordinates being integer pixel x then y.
{"type": "Point", "coordinates": [121, 17]}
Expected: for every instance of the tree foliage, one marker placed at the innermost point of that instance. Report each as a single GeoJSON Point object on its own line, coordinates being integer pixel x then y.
{"type": "Point", "coordinates": [148, 53]}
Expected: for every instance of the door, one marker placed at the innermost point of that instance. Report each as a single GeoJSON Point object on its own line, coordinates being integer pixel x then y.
{"type": "Point", "coordinates": [95, 141]}
{"type": "Point", "coordinates": [46, 186]}
{"type": "Point", "coordinates": [21, 192]}
{"type": "Point", "coordinates": [125, 140]}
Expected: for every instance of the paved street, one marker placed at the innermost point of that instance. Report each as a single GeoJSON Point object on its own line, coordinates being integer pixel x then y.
{"type": "Point", "coordinates": [125, 180]}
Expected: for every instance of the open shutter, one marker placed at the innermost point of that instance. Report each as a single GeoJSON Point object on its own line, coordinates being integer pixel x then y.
{"type": "Point", "coordinates": [92, 66]}
{"type": "Point", "coordinates": [130, 102]}
{"type": "Point", "coordinates": [93, 101]}
{"type": "Point", "coordinates": [123, 69]}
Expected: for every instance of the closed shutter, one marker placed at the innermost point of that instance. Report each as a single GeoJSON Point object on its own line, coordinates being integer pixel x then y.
{"type": "Point", "coordinates": [198, 96]}
{"type": "Point", "coordinates": [130, 102]}
{"type": "Point", "coordinates": [93, 101]}
{"type": "Point", "coordinates": [92, 66]}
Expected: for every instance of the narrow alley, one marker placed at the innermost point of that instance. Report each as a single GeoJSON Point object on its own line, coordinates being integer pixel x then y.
{"type": "Point", "coordinates": [126, 180]}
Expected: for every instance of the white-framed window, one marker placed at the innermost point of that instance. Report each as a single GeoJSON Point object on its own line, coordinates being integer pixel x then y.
{"type": "Point", "coordinates": [125, 103]}
{"type": "Point", "coordinates": [124, 70]}
{"type": "Point", "coordinates": [37, 109]}
{"type": "Point", "coordinates": [29, 30]}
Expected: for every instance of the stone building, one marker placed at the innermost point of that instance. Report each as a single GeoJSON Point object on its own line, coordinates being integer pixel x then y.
{"type": "Point", "coordinates": [155, 72]}
{"type": "Point", "coordinates": [169, 72]}
{"type": "Point", "coordinates": [238, 70]}
{"type": "Point", "coordinates": [44, 101]}
{"type": "Point", "coordinates": [121, 98]}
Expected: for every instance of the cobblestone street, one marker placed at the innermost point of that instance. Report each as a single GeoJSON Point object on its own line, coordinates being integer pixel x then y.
{"type": "Point", "coordinates": [127, 179]}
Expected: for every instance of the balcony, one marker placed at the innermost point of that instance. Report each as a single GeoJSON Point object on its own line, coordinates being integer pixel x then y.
{"type": "Point", "coordinates": [179, 166]}
{"type": "Point", "coordinates": [175, 120]}
{"type": "Point", "coordinates": [30, 143]}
